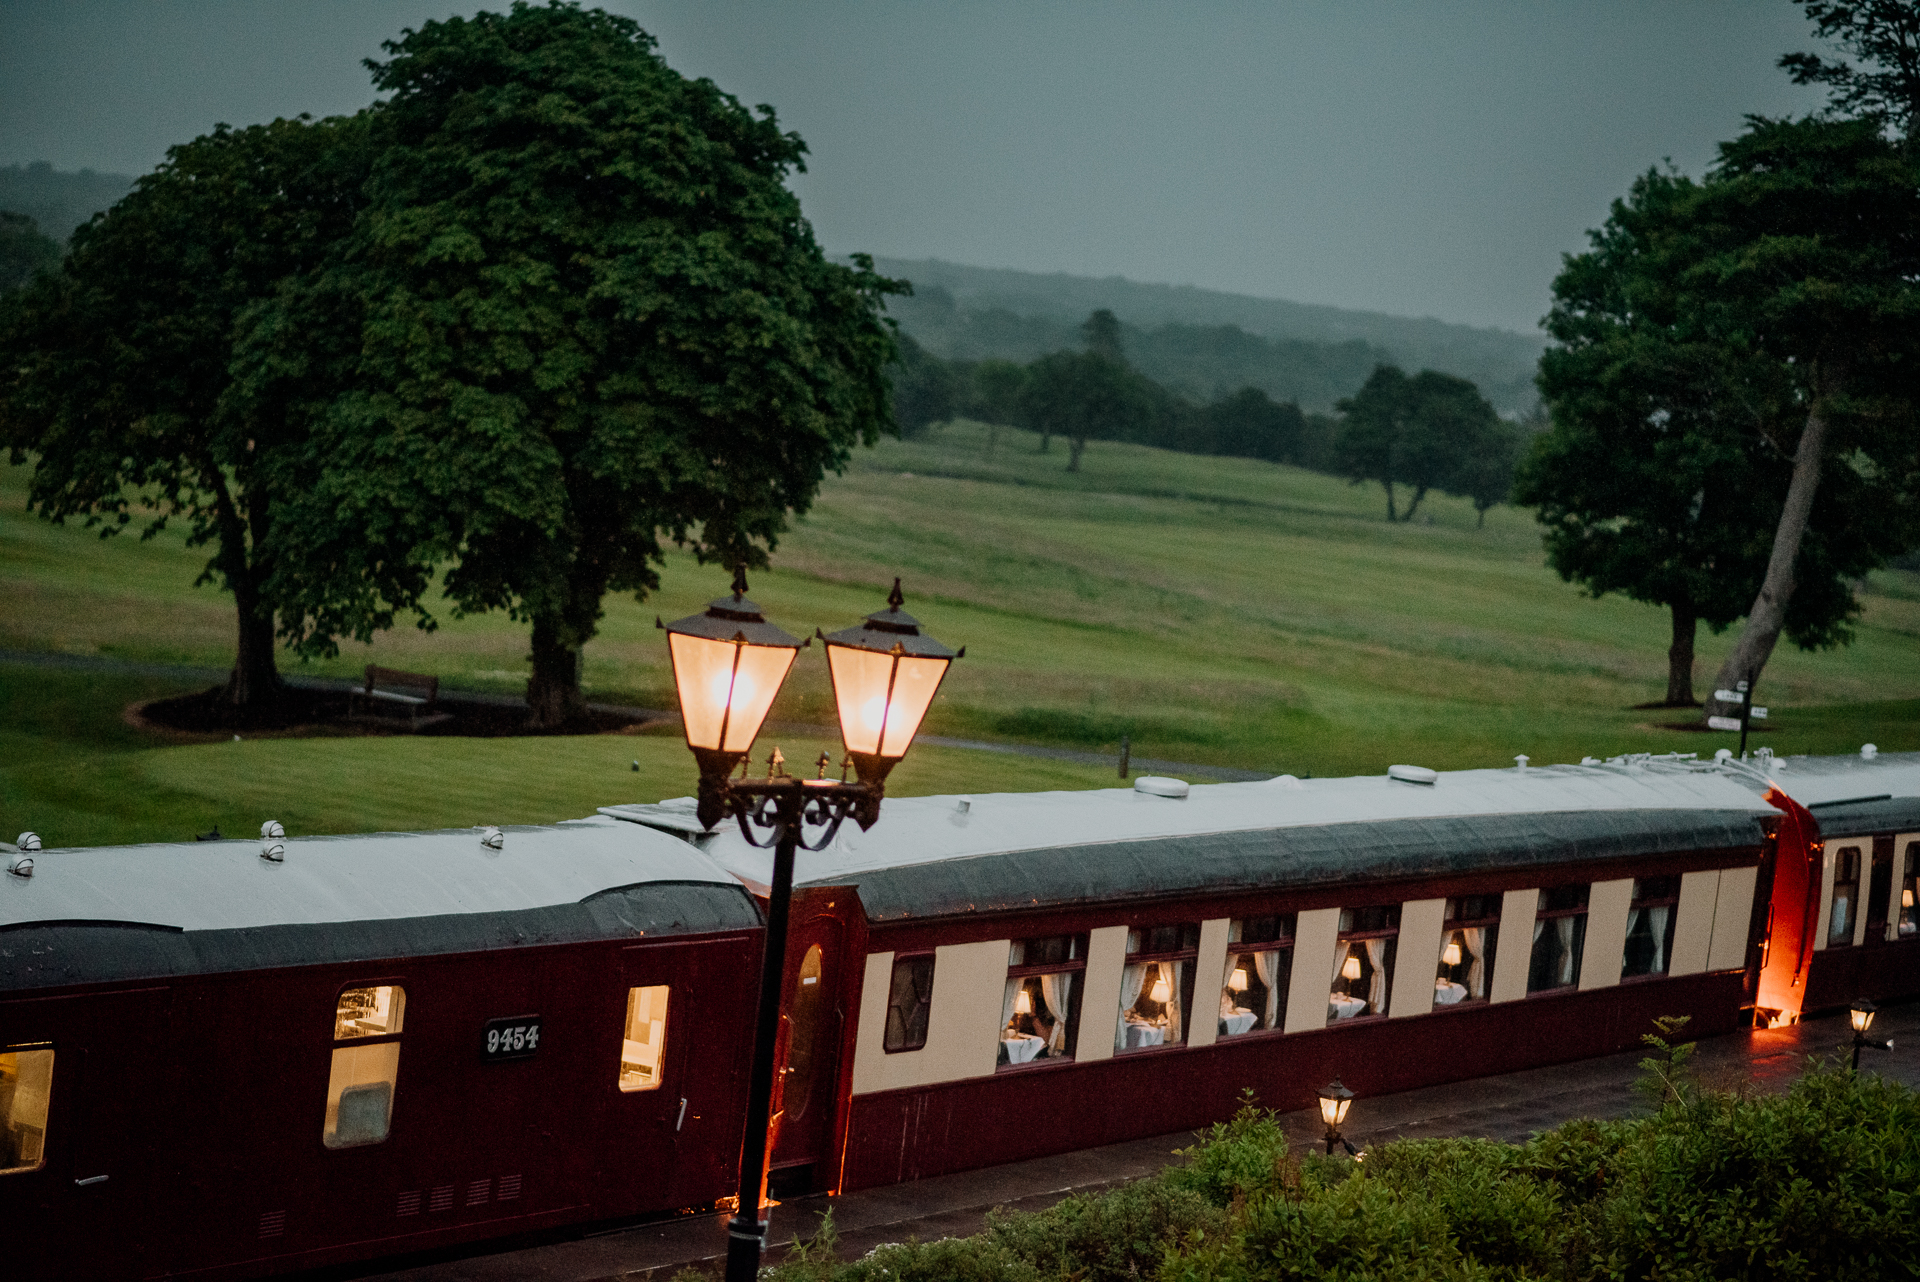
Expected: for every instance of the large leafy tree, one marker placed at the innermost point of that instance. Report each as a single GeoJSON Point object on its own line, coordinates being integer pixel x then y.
{"type": "Point", "coordinates": [1085, 396]}
{"type": "Point", "coordinates": [1424, 431]}
{"type": "Point", "coordinates": [582, 315]}
{"type": "Point", "coordinates": [1879, 78]}
{"type": "Point", "coordinates": [116, 378]}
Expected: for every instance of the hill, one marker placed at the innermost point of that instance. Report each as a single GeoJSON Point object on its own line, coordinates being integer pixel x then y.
{"type": "Point", "coordinates": [1182, 336]}
{"type": "Point", "coordinates": [56, 200]}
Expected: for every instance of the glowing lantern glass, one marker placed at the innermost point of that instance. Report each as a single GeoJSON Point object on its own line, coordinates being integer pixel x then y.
{"type": "Point", "coordinates": [1335, 1100]}
{"type": "Point", "coordinates": [1239, 981]}
{"type": "Point", "coordinates": [1862, 1013]}
{"type": "Point", "coordinates": [885, 674]}
{"type": "Point", "coordinates": [728, 664]}
{"type": "Point", "coordinates": [1451, 956]}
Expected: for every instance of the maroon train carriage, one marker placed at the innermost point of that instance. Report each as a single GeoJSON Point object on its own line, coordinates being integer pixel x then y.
{"type": "Point", "coordinates": [978, 980]}
{"type": "Point", "coordinates": [213, 1062]}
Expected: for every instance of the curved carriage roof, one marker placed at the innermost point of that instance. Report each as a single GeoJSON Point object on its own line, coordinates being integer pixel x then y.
{"type": "Point", "coordinates": [1854, 796]}
{"type": "Point", "coordinates": [943, 856]}
{"type": "Point", "coordinates": [118, 912]}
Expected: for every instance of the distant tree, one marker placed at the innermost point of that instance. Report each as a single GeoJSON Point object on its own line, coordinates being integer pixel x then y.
{"type": "Point", "coordinates": [1485, 475]}
{"type": "Point", "coordinates": [1881, 77]}
{"type": "Point", "coordinates": [1083, 396]}
{"type": "Point", "coordinates": [1248, 424]}
{"type": "Point", "coordinates": [24, 252]}
{"type": "Point", "coordinates": [926, 390]}
{"type": "Point", "coordinates": [115, 371]}
{"type": "Point", "coordinates": [1428, 432]}
{"type": "Point", "coordinates": [1102, 329]}
{"type": "Point", "coordinates": [583, 315]}
{"type": "Point", "coordinates": [1373, 422]}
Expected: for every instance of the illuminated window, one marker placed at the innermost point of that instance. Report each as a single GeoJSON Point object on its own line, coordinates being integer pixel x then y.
{"type": "Point", "coordinates": [1040, 1012]}
{"type": "Point", "coordinates": [26, 1089]}
{"type": "Point", "coordinates": [1909, 921]}
{"type": "Point", "coordinates": [1846, 894]}
{"type": "Point", "coordinates": [1253, 991]}
{"type": "Point", "coordinates": [1559, 938]}
{"type": "Point", "coordinates": [1156, 988]}
{"type": "Point", "coordinates": [645, 1039]}
{"type": "Point", "coordinates": [1468, 940]}
{"type": "Point", "coordinates": [366, 1064]}
{"type": "Point", "coordinates": [1363, 962]}
{"type": "Point", "coordinates": [909, 1002]}
{"type": "Point", "coordinates": [1650, 927]}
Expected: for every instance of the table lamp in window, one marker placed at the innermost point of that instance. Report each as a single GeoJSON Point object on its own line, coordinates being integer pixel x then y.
{"type": "Point", "coordinates": [1351, 971]}
{"type": "Point", "coordinates": [1162, 990]}
{"type": "Point", "coordinates": [1451, 955]}
{"type": "Point", "coordinates": [1239, 981]}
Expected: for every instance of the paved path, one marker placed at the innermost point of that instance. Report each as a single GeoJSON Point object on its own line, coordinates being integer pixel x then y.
{"type": "Point", "coordinates": [185, 672]}
{"type": "Point", "coordinates": [1510, 1107]}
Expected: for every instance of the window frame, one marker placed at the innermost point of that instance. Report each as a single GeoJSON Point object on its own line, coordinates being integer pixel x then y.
{"type": "Point", "coordinates": [1906, 915]}
{"type": "Point", "coordinates": [1853, 856]}
{"type": "Point", "coordinates": [1390, 933]}
{"type": "Point", "coordinates": [336, 1044]}
{"type": "Point", "coordinates": [1238, 948]}
{"type": "Point", "coordinates": [900, 959]}
{"type": "Point", "coordinates": [1582, 911]}
{"type": "Point", "coordinates": [46, 1121]}
{"type": "Point", "coordinates": [628, 989]}
{"type": "Point", "coordinates": [1643, 902]}
{"type": "Point", "coordinates": [1072, 966]}
{"type": "Point", "coordinates": [1449, 925]}
{"type": "Point", "coordinates": [1188, 953]}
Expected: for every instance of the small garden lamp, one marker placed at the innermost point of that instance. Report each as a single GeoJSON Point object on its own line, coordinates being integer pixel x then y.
{"type": "Point", "coordinates": [885, 674]}
{"type": "Point", "coordinates": [1335, 1100]}
{"type": "Point", "coordinates": [1861, 1014]}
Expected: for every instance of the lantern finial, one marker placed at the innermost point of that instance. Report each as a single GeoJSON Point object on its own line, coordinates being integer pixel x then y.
{"type": "Point", "coordinates": [896, 598]}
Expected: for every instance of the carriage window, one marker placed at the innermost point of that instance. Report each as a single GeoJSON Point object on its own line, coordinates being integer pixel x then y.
{"type": "Point", "coordinates": [1253, 992]}
{"type": "Point", "coordinates": [908, 1003]}
{"type": "Point", "coordinates": [1846, 895]}
{"type": "Point", "coordinates": [1559, 937]}
{"type": "Point", "coordinates": [366, 1064]}
{"type": "Point", "coordinates": [1650, 926]}
{"type": "Point", "coordinates": [1468, 939]}
{"type": "Point", "coordinates": [645, 1039]}
{"type": "Point", "coordinates": [1156, 988]}
{"type": "Point", "coordinates": [1040, 1016]}
{"type": "Point", "coordinates": [1363, 962]}
{"type": "Point", "coordinates": [26, 1089]}
{"type": "Point", "coordinates": [1909, 921]}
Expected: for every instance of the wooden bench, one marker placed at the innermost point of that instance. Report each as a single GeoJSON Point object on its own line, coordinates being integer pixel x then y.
{"type": "Point", "coordinates": [389, 691]}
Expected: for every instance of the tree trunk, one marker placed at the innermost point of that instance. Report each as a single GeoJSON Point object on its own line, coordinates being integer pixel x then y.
{"type": "Point", "coordinates": [1680, 655]}
{"type": "Point", "coordinates": [1769, 613]}
{"type": "Point", "coordinates": [253, 688]}
{"type": "Point", "coordinates": [1418, 494]}
{"type": "Point", "coordinates": [1046, 441]}
{"type": "Point", "coordinates": [1392, 516]}
{"type": "Point", "coordinates": [1076, 445]}
{"type": "Point", "coordinates": [1480, 524]}
{"type": "Point", "coordinates": [554, 700]}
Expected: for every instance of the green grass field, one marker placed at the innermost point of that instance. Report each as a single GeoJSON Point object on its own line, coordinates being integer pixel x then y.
{"type": "Point", "coordinates": [1215, 610]}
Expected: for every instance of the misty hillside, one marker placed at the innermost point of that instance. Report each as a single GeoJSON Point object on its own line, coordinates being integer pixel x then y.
{"type": "Point", "coordinates": [1179, 335]}
{"type": "Point", "coordinates": [56, 200]}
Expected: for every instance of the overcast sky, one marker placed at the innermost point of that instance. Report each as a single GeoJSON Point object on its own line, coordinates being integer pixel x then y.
{"type": "Point", "coordinates": [1424, 159]}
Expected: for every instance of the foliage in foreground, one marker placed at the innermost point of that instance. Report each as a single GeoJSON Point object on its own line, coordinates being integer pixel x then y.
{"type": "Point", "coordinates": [1817, 1183]}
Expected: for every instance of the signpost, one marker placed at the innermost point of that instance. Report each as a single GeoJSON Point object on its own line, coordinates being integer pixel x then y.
{"type": "Point", "coordinates": [1742, 695]}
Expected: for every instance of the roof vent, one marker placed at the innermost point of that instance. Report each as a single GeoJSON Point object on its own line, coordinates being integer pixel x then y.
{"type": "Point", "coordinates": [1868, 752]}
{"type": "Point", "coordinates": [272, 831]}
{"type": "Point", "coordinates": [1723, 754]}
{"type": "Point", "coordinates": [1520, 761]}
{"type": "Point", "coordinates": [492, 838]}
{"type": "Point", "coordinates": [1160, 786]}
{"type": "Point", "coordinates": [1412, 774]}
{"type": "Point", "coordinates": [27, 841]}
{"type": "Point", "coordinates": [20, 865]}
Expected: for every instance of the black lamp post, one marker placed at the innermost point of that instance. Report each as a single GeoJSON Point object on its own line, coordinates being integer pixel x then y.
{"type": "Point", "coordinates": [1861, 1013]}
{"type": "Point", "coordinates": [728, 664]}
{"type": "Point", "coordinates": [1335, 1100]}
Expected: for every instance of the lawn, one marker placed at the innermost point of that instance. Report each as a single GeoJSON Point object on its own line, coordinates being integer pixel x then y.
{"type": "Point", "coordinates": [1214, 610]}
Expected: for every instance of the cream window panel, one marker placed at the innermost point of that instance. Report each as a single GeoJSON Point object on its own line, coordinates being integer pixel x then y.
{"type": "Point", "coordinates": [1732, 919]}
{"type": "Point", "coordinates": [1608, 905]}
{"type": "Point", "coordinates": [1861, 890]}
{"type": "Point", "coordinates": [1826, 898]}
{"type": "Point", "coordinates": [1517, 909]}
{"type": "Point", "coordinates": [1316, 932]}
{"type": "Point", "coordinates": [1693, 931]}
{"type": "Point", "coordinates": [962, 1023]}
{"type": "Point", "coordinates": [1210, 963]}
{"type": "Point", "coordinates": [1100, 1006]}
{"type": "Point", "coordinates": [1417, 957]}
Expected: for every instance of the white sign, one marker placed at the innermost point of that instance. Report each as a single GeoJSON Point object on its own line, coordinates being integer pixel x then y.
{"type": "Point", "coordinates": [1757, 714]}
{"type": "Point", "coordinates": [1723, 723]}
{"type": "Point", "coordinates": [1729, 696]}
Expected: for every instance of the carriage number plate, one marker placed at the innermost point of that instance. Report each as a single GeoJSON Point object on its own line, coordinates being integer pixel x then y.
{"type": "Point", "coordinates": [513, 1038]}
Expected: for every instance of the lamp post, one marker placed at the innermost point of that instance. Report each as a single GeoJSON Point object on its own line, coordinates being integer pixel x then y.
{"type": "Point", "coordinates": [1861, 1014]}
{"type": "Point", "coordinates": [1335, 1100]}
{"type": "Point", "coordinates": [728, 664]}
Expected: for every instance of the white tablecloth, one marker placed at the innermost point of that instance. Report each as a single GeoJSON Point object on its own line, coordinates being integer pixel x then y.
{"type": "Point", "coordinates": [1021, 1050]}
{"type": "Point", "coordinates": [1238, 1022]}
{"type": "Point", "coordinates": [1139, 1035]}
{"type": "Point", "coordinates": [1447, 993]}
{"type": "Point", "coordinates": [1343, 1007]}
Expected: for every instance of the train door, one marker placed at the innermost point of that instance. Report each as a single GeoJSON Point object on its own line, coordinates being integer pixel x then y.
{"type": "Point", "coordinates": [86, 1094]}
{"type": "Point", "coordinates": [813, 1019]}
{"type": "Point", "coordinates": [647, 1087]}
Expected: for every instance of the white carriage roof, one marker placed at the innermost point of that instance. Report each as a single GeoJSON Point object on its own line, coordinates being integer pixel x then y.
{"type": "Point", "coordinates": [1854, 796]}
{"type": "Point", "coordinates": [937, 855]}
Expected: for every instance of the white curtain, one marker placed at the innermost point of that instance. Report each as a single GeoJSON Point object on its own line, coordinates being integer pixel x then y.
{"type": "Point", "coordinates": [1006, 1003]}
{"type": "Point", "coordinates": [1657, 922]}
{"type": "Point", "coordinates": [1233, 964]}
{"type": "Point", "coordinates": [1175, 979]}
{"type": "Point", "coordinates": [1057, 992]}
{"type": "Point", "coordinates": [1268, 964]}
{"type": "Point", "coordinates": [1377, 985]}
{"type": "Point", "coordinates": [1131, 980]}
{"type": "Point", "coordinates": [1476, 942]}
{"type": "Point", "coordinates": [1340, 960]}
{"type": "Point", "coordinates": [1563, 926]}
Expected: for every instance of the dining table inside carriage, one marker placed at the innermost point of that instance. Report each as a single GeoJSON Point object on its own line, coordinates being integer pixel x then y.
{"type": "Point", "coordinates": [1021, 1048]}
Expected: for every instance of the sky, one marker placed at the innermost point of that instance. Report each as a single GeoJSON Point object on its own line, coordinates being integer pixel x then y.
{"type": "Point", "coordinates": [1420, 159]}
